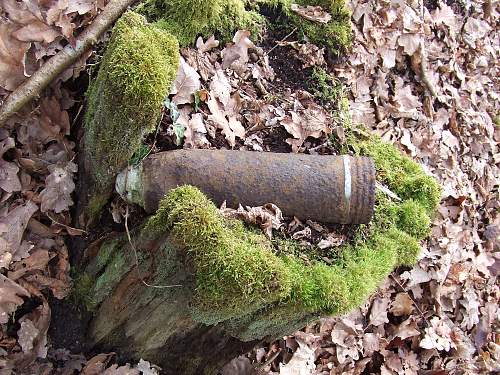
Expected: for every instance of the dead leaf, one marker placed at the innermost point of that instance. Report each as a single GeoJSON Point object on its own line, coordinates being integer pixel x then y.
{"type": "Point", "coordinates": [378, 314]}
{"type": "Point", "coordinates": [312, 13]}
{"type": "Point", "coordinates": [59, 186]}
{"type": "Point", "coordinates": [146, 368]}
{"type": "Point", "coordinates": [302, 362]}
{"type": "Point", "coordinates": [314, 122]}
{"type": "Point", "coordinates": [31, 25]}
{"type": "Point", "coordinates": [12, 228]}
{"type": "Point", "coordinates": [26, 335]}
{"type": "Point", "coordinates": [437, 336]}
{"type": "Point", "coordinates": [236, 54]}
{"type": "Point", "coordinates": [226, 120]}
{"type": "Point", "coordinates": [9, 181]}
{"type": "Point", "coordinates": [308, 53]}
{"type": "Point", "coordinates": [120, 370]}
{"type": "Point", "coordinates": [12, 58]}
{"type": "Point", "coordinates": [186, 83]}
{"type": "Point", "coordinates": [401, 305]}
{"type": "Point", "coordinates": [406, 329]}
{"type": "Point", "coordinates": [268, 216]}
{"type": "Point", "coordinates": [220, 87]}
{"type": "Point", "coordinates": [410, 43]}
{"type": "Point", "coordinates": [239, 366]}
{"type": "Point", "coordinates": [10, 297]}
{"type": "Point", "coordinates": [194, 134]}
{"type": "Point", "coordinates": [208, 45]}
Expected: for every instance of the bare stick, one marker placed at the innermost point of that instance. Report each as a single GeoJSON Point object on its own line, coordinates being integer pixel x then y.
{"type": "Point", "coordinates": [413, 300]}
{"type": "Point", "coordinates": [424, 64]}
{"type": "Point", "coordinates": [33, 86]}
{"type": "Point", "coordinates": [423, 70]}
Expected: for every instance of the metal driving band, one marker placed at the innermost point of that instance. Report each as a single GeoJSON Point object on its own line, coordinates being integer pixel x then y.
{"type": "Point", "coordinates": [347, 184]}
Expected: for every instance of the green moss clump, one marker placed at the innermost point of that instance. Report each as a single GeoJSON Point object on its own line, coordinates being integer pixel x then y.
{"type": "Point", "coordinates": [336, 35]}
{"type": "Point", "coordinates": [404, 176]}
{"type": "Point", "coordinates": [186, 19]}
{"type": "Point", "coordinates": [327, 88]}
{"type": "Point", "coordinates": [402, 224]}
{"type": "Point", "coordinates": [236, 270]}
{"type": "Point", "coordinates": [125, 100]}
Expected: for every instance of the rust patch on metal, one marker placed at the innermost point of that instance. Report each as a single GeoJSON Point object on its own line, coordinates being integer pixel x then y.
{"type": "Point", "coordinates": [306, 186]}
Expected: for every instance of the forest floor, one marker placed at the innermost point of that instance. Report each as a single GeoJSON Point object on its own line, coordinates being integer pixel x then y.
{"type": "Point", "coordinates": [423, 76]}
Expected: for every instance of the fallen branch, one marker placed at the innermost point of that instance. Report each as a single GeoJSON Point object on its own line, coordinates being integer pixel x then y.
{"type": "Point", "coordinates": [423, 70]}
{"type": "Point", "coordinates": [33, 86]}
{"type": "Point", "coordinates": [423, 57]}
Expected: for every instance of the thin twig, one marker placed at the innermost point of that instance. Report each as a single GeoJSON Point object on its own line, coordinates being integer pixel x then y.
{"type": "Point", "coordinates": [424, 64]}
{"type": "Point", "coordinates": [282, 40]}
{"type": "Point", "coordinates": [386, 191]}
{"type": "Point", "coordinates": [137, 259]}
{"type": "Point", "coordinates": [270, 360]}
{"type": "Point", "coordinates": [412, 299]}
{"type": "Point", "coordinates": [424, 76]}
{"type": "Point", "coordinates": [64, 225]}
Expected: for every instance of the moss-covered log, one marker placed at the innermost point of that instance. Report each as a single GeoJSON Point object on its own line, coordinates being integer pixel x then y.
{"type": "Point", "coordinates": [124, 104]}
{"type": "Point", "coordinates": [171, 321]}
{"type": "Point", "coordinates": [139, 321]}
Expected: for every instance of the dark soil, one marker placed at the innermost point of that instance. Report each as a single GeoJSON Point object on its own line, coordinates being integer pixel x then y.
{"type": "Point", "coordinates": [276, 140]}
{"type": "Point", "coordinates": [68, 326]}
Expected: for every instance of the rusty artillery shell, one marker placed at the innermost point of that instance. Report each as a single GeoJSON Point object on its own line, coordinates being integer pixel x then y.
{"type": "Point", "coordinates": [325, 188]}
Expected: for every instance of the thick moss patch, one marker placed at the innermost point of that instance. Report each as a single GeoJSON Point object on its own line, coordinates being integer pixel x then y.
{"type": "Point", "coordinates": [188, 18]}
{"type": "Point", "coordinates": [125, 100]}
{"type": "Point", "coordinates": [336, 34]}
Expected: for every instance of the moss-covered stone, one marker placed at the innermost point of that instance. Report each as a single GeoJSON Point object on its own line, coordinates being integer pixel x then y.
{"type": "Point", "coordinates": [125, 100]}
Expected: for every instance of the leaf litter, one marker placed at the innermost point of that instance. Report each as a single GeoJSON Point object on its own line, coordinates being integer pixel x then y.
{"type": "Point", "coordinates": [422, 76]}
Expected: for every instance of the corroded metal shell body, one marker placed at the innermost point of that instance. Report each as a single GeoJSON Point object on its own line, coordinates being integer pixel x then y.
{"type": "Point", "coordinates": [325, 188]}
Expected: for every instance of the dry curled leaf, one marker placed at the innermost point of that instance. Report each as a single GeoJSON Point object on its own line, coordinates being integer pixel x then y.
{"type": "Point", "coordinates": [312, 13]}
{"type": "Point", "coordinates": [59, 186]}
{"type": "Point", "coordinates": [186, 83]}
{"type": "Point", "coordinates": [11, 295]}
{"type": "Point", "coordinates": [268, 216]}
{"type": "Point", "coordinates": [314, 122]}
{"type": "Point", "coordinates": [226, 120]}
{"type": "Point", "coordinates": [12, 58]}
{"type": "Point", "coordinates": [208, 45]}
{"type": "Point", "coordinates": [194, 133]}
{"type": "Point", "coordinates": [236, 54]}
